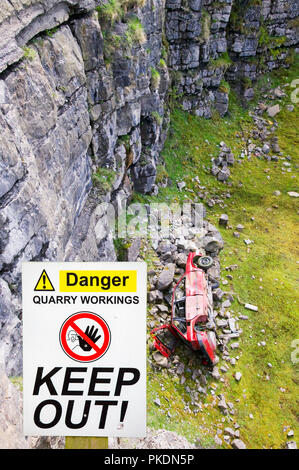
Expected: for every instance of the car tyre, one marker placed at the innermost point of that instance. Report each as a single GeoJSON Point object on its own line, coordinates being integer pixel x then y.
{"type": "Point", "coordinates": [204, 262]}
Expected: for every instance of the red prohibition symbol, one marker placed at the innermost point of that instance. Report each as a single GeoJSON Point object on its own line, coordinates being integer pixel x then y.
{"type": "Point", "coordinates": [85, 336]}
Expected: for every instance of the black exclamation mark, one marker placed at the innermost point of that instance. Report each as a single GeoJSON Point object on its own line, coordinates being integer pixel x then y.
{"type": "Point", "coordinates": [123, 410]}
{"type": "Point", "coordinates": [44, 281]}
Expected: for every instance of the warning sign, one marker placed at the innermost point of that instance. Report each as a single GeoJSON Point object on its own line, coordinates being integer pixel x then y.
{"type": "Point", "coordinates": [84, 350]}
{"type": "Point", "coordinates": [44, 283]}
{"type": "Point", "coordinates": [85, 336]}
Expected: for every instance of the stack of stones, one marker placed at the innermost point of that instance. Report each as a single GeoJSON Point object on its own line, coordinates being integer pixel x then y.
{"type": "Point", "coordinates": [221, 163]}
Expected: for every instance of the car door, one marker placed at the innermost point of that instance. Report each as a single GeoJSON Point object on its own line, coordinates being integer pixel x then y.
{"type": "Point", "coordinates": [178, 311]}
{"type": "Point", "coordinates": [164, 339]}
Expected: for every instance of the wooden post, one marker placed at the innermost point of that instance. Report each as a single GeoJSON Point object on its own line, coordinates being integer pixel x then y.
{"type": "Point", "coordinates": [78, 442]}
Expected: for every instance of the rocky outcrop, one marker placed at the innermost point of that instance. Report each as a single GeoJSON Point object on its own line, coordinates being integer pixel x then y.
{"type": "Point", "coordinates": [196, 33]}
{"type": "Point", "coordinates": [20, 21]}
{"type": "Point", "coordinates": [261, 36]}
{"type": "Point", "coordinates": [210, 43]}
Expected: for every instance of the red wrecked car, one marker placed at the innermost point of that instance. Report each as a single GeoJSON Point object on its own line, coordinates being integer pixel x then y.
{"type": "Point", "coordinates": [189, 313]}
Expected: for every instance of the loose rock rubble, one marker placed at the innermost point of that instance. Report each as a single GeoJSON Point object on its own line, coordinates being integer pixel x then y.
{"type": "Point", "coordinates": [238, 444]}
{"type": "Point", "coordinates": [261, 141]}
{"type": "Point", "coordinates": [221, 164]}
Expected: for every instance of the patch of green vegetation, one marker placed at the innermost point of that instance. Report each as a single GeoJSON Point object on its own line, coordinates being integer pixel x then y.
{"type": "Point", "coordinates": [224, 87]}
{"type": "Point", "coordinates": [266, 41]}
{"type": "Point", "coordinates": [294, 23]}
{"type": "Point", "coordinates": [162, 174]}
{"type": "Point", "coordinates": [51, 32]}
{"type": "Point", "coordinates": [135, 33]}
{"type": "Point", "coordinates": [275, 53]}
{"type": "Point", "coordinates": [155, 78]}
{"type": "Point", "coordinates": [266, 275]}
{"type": "Point", "coordinates": [205, 26]}
{"type": "Point", "coordinates": [223, 61]}
{"type": "Point", "coordinates": [134, 3]}
{"type": "Point", "coordinates": [162, 63]}
{"type": "Point", "coordinates": [115, 10]}
{"type": "Point", "coordinates": [112, 42]}
{"type": "Point", "coordinates": [125, 140]}
{"type": "Point", "coordinates": [236, 19]}
{"type": "Point", "coordinates": [174, 96]}
{"type": "Point", "coordinates": [246, 82]}
{"type": "Point", "coordinates": [264, 38]}
{"type": "Point", "coordinates": [164, 52]}
{"type": "Point", "coordinates": [111, 11]}
{"type": "Point", "coordinates": [121, 246]}
{"type": "Point", "coordinates": [291, 57]}
{"type": "Point", "coordinates": [157, 117]}
{"type": "Point", "coordinates": [29, 53]}
{"type": "Point", "coordinates": [17, 381]}
{"type": "Point", "coordinates": [103, 179]}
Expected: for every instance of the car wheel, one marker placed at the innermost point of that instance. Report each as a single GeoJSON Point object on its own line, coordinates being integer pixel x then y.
{"type": "Point", "coordinates": [204, 262]}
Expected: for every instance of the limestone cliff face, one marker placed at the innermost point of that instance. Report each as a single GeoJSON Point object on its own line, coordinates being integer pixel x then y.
{"type": "Point", "coordinates": [84, 94]}
{"type": "Point", "coordinates": [262, 36]}
{"type": "Point", "coordinates": [211, 42]}
{"type": "Point", "coordinates": [196, 31]}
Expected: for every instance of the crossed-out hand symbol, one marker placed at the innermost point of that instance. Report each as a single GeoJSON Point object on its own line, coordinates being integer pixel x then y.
{"type": "Point", "coordinates": [91, 332]}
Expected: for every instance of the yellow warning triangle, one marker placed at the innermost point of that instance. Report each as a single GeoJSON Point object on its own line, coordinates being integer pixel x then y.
{"type": "Point", "coordinates": [44, 282]}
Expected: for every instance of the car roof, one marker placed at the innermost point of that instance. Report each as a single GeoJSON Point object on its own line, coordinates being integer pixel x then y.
{"type": "Point", "coordinates": [195, 288]}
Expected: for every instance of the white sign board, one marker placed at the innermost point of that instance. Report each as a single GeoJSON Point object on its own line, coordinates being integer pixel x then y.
{"type": "Point", "coordinates": [84, 346]}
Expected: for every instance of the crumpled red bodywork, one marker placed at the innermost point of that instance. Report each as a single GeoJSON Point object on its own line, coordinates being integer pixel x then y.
{"type": "Point", "coordinates": [189, 314]}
